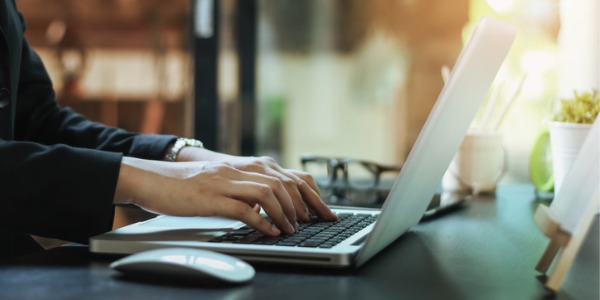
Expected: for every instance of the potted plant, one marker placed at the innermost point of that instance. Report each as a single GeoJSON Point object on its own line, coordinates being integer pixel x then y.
{"type": "Point", "coordinates": [568, 130]}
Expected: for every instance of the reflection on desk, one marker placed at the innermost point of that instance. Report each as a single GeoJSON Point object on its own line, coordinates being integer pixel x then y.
{"type": "Point", "coordinates": [486, 251]}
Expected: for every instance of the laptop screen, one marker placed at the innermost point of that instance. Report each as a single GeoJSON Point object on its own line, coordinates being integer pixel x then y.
{"type": "Point", "coordinates": [442, 134]}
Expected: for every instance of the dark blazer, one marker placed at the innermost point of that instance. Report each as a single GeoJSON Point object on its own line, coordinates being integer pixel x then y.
{"type": "Point", "coordinates": [58, 171]}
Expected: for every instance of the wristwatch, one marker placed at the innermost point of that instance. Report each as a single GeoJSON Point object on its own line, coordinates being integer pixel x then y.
{"type": "Point", "coordinates": [179, 144]}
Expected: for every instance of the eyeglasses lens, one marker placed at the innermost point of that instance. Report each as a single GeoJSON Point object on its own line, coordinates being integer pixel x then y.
{"type": "Point", "coordinates": [319, 169]}
{"type": "Point", "coordinates": [361, 183]}
{"type": "Point", "coordinates": [359, 175]}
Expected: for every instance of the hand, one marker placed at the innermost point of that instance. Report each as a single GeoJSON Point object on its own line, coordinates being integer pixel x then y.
{"type": "Point", "coordinates": [207, 189]}
{"type": "Point", "coordinates": [300, 186]}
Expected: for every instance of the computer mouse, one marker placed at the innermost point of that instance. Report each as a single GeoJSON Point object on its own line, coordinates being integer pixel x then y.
{"type": "Point", "coordinates": [187, 264]}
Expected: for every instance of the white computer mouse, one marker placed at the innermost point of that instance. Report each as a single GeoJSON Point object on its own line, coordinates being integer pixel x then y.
{"type": "Point", "coordinates": [187, 264]}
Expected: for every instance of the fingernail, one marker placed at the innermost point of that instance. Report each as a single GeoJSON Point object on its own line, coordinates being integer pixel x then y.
{"type": "Point", "coordinates": [275, 230]}
{"type": "Point", "coordinates": [296, 225]}
{"type": "Point", "coordinates": [291, 229]}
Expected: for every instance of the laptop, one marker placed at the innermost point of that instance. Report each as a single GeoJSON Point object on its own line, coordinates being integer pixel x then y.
{"type": "Point", "coordinates": [370, 230]}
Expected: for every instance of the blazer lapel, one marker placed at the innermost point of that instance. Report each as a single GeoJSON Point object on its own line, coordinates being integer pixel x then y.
{"type": "Point", "coordinates": [10, 45]}
{"type": "Point", "coordinates": [3, 22]}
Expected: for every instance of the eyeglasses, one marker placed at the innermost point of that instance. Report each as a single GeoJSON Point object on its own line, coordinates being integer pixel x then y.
{"type": "Point", "coordinates": [346, 181]}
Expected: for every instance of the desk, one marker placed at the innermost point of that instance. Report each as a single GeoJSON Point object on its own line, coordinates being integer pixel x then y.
{"type": "Point", "coordinates": [485, 251]}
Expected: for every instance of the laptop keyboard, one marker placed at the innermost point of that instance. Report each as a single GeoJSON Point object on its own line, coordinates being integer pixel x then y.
{"type": "Point", "coordinates": [314, 234]}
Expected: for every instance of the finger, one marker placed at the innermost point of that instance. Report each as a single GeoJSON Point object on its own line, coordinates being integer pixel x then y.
{"type": "Point", "coordinates": [274, 198]}
{"type": "Point", "coordinates": [281, 197]}
{"type": "Point", "coordinates": [234, 209]}
{"type": "Point", "coordinates": [268, 166]}
{"type": "Point", "coordinates": [257, 193]}
{"type": "Point", "coordinates": [310, 193]}
{"type": "Point", "coordinates": [290, 185]}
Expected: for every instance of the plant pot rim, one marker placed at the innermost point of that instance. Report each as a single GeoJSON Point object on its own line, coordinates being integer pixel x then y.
{"type": "Point", "coordinates": [570, 125]}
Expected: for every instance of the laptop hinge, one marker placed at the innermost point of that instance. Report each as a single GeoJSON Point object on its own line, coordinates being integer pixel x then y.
{"type": "Point", "coordinates": [360, 241]}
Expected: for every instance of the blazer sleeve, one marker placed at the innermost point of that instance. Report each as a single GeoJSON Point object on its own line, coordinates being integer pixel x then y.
{"type": "Point", "coordinates": [40, 119]}
{"type": "Point", "coordinates": [57, 191]}
{"type": "Point", "coordinates": [58, 176]}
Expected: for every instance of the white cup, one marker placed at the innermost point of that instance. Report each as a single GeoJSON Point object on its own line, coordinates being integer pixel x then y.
{"type": "Point", "coordinates": [478, 165]}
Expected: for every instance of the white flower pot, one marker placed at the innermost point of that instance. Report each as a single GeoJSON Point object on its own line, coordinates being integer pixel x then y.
{"type": "Point", "coordinates": [565, 141]}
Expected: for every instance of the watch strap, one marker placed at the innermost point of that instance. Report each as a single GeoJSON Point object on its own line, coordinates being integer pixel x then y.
{"type": "Point", "coordinates": [180, 143]}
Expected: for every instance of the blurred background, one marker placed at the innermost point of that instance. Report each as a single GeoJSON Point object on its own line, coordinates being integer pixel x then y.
{"type": "Point", "coordinates": [344, 78]}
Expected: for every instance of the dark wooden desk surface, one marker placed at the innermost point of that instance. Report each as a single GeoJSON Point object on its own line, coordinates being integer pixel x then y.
{"type": "Point", "coordinates": [486, 251]}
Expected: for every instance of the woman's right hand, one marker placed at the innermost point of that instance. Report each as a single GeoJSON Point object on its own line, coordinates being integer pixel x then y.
{"type": "Point", "coordinates": [206, 189]}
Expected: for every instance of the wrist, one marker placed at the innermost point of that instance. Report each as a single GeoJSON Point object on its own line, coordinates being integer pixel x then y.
{"type": "Point", "coordinates": [125, 184]}
{"type": "Point", "coordinates": [173, 151]}
{"type": "Point", "coordinates": [136, 177]}
{"type": "Point", "coordinates": [139, 180]}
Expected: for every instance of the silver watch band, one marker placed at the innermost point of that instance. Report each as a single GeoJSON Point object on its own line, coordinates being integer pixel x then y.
{"type": "Point", "coordinates": [179, 144]}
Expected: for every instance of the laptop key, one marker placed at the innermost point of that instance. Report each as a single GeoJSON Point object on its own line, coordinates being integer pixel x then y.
{"type": "Point", "coordinates": [286, 244]}
{"type": "Point", "coordinates": [327, 245]}
{"type": "Point", "coordinates": [267, 240]}
{"type": "Point", "coordinates": [249, 239]}
{"type": "Point", "coordinates": [310, 243]}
